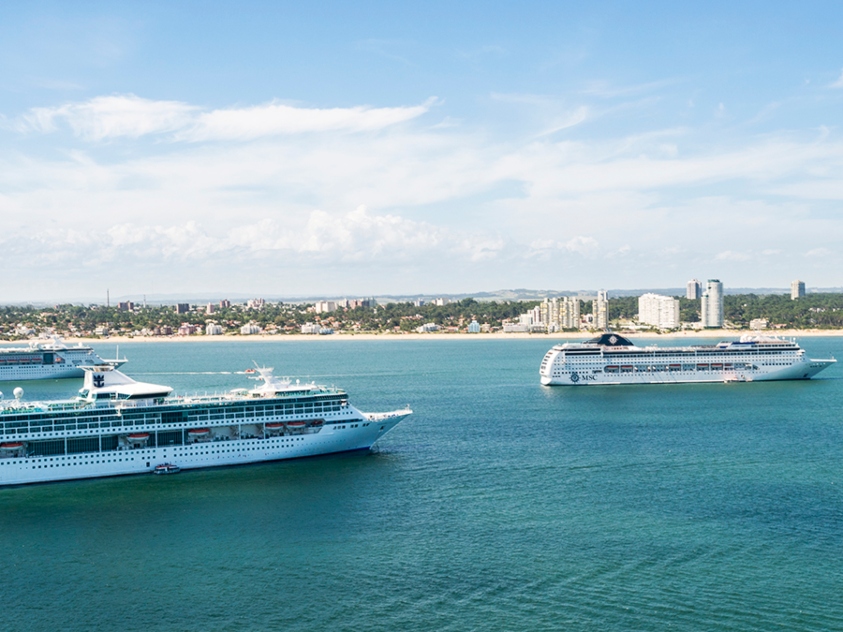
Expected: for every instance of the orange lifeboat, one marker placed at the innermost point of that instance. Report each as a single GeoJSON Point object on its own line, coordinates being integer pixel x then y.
{"type": "Point", "coordinates": [296, 425]}
{"type": "Point", "coordinates": [11, 446]}
{"type": "Point", "coordinates": [139, 436]}
{"type": "Point", "coordinates": [198, 432]}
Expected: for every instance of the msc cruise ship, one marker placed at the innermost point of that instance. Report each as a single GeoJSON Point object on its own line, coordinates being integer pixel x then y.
{"type": "Point", "coordinates": [119, 426]}
{"type": "Point", "coordinates": [613, 359]}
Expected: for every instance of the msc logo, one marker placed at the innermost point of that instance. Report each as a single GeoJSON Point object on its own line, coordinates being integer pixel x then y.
{"type": "Point", "coordinates": [576, 377]}
{"type": "Point", "coordinates": [99, 381]}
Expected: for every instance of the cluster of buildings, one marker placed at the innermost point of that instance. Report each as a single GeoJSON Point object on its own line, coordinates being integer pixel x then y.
{"type": "Point", "coordinates": [557, 314]}
{"type": "Point", "coordinates": [654, 310]}
{"type": "Point", "coordinates": [326, 307]}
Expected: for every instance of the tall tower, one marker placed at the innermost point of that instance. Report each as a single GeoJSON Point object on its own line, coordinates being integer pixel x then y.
{"type": "Point", "coordinates": [797, 290]}
{"type": "Point", "coordinates": [693, 290]}
{"type": "Point", "coordinates": [712, 304]}
{"type": "Point", "coordinates": [600, 308]}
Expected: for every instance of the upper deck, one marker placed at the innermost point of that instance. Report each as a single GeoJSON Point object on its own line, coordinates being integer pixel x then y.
{"type": "Point", "coordinates": [610, 344]}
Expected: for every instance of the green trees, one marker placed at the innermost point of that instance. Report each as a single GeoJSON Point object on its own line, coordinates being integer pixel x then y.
{"type": "Point", "coordinates": [820, 311]}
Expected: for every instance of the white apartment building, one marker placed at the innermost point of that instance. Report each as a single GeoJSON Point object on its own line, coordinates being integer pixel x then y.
{"type": "Point", "coordinates": [560, 313]}
{"type": "Point", "coordinates": [712, 304]}
{"type": "Point", "coordinates": [600, 309]}
{"type": "Point", "coordinates": [325, 307]}
{"type": "Point", "coordinates": [658, 310]}
{"type": "Point", "coordinates": [212, 329]}
{"type": "Point", "coordinates": [693, 290]}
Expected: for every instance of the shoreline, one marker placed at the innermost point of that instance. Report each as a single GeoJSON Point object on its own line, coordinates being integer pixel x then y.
{"type": "Point", "coordinates": [711, 333]}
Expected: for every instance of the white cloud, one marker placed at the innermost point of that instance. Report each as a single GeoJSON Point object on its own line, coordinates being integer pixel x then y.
{"type": "Point", "coordinates": [582, 245]}
{"type": "Point", "coordinates": [277, 118]}
{"type": "Point", "coordinates": [730, 255]}
{"type": "Point", "coordinates": [131, 116]}
{"type": "Point", "coordinates": [838, 83]}
{"type": "Point", "coordinates": [819, 253]}
{"type": "Point", "coordinates": [112, 117]}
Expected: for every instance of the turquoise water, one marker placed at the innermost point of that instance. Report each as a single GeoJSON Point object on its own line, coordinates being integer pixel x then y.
{"type": "Point", "coordinates": [499, 505]}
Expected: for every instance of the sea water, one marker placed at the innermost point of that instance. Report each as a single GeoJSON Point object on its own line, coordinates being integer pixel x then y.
{"type": "Point", "coordinates": [498, 505]}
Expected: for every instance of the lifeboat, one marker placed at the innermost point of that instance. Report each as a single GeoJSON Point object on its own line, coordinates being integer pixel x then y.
{"type": "Point", "coordinates": [316, 423]}
{"type": "Point", "coordinates": [167, 468]}
{"type": "Point", "coordinates": [11, 446]}
{"type": "Point", "coordinates": [296, 425]}
{"type": "Point", "coordinates": [274, 426]}
{"type": "Point", "coordinates": [249, 371]}
{"type": "Point", "coordinates": [198, 432]}
{"type": "Point", "coordinates": [139, 436]}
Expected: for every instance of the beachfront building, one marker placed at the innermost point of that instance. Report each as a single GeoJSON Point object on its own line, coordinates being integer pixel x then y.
{"type": "Point", "coordinates": [797, 290]}
{"type": "Point", "coordinates": [560, 313]}
{"type": "Point", "coordinates": [213, 329]}
{"type": "Point", "coordinates": [693, 290]}
{"type": "Point", "coordinates": [311, 328]}
{"type": "Point", "coordinates": [250, 329]}
{"type": "Point", "coordinates": [712, 304]}
{"type": "Point", "coordinates": [658, 310]}
{"type": "Point", "coordinates": [474, 327]}
{"type": "Point", "coordinates": [600, 309]}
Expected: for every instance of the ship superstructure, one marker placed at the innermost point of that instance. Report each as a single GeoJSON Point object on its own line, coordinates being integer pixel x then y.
{"type": "Point", "coordinates": [614, 359]}
{"type": "Point", "coordinates": [48, 359]}
{"type": "Point", "coordinates": [120, 426]}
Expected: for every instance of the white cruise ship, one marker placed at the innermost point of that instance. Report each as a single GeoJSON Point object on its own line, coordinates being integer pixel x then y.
{"type": "Point", "coordinates": [47, 360]}
{"type": "Point", "coordinates": [119, 426]}
{"type": "Point", "coordinates": [613, 359]}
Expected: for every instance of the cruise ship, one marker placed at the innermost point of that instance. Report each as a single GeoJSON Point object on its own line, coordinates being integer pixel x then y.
{"type": "Point", "coordinates": [117, 425]}
{"type": "Point", "coordinates": [613, 359]}
{"type": "Point", "coordinates": [48, 359]}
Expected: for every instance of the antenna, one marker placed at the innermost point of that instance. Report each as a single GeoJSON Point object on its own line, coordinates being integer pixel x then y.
{"type": "Point", "coordinates": [108, 298]}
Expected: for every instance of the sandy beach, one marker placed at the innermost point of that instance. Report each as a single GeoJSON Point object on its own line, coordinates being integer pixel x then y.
{"type": "Point", "coordinates": [708, 333]}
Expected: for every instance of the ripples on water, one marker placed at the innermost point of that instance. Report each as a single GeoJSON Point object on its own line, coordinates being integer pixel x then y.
{"type": "Point", "coordinates": [499, 505]}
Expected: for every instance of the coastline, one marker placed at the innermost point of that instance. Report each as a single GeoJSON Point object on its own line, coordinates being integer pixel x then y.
{"type": "Point", "coordinates": [709, 333]}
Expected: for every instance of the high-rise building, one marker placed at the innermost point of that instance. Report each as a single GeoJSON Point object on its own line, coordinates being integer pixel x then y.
{"type": "Point", "coordinates": [693, 290]}
{"type": "Point", "coordinates": [797, 290]}
{"type": "Point", "coordinates": [560, 313]}
{"type": "Point", "coordinates": [658, 310]}
{"type": "Point", "coordinates": [600, 308]}
{"type": "Point", "coordinates": [712, 304]}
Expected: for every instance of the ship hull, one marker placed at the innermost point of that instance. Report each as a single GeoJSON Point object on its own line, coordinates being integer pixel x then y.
{"type": "Point", "coordinates": [797, 371]}
{"type": "Point", "coordinates": [349, 435]}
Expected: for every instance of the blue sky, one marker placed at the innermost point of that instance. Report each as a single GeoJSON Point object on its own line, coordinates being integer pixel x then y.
{"type": "Point", "coordinates": [372, 148]}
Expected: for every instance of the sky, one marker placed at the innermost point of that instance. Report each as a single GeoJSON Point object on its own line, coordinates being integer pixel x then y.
{"type": "Point", "coordinates": [354, 149]}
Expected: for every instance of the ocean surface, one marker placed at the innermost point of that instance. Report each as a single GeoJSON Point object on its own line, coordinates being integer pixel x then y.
{"type": "Point", "coordinates": [499, 505]}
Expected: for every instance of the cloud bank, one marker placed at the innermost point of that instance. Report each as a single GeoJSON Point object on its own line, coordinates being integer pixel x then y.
{"type": "Point", "coordinates": [416, 205]}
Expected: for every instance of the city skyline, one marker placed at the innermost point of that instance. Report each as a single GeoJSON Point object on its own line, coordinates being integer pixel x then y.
{"type": "Point", "coordinates": [335, 151]}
